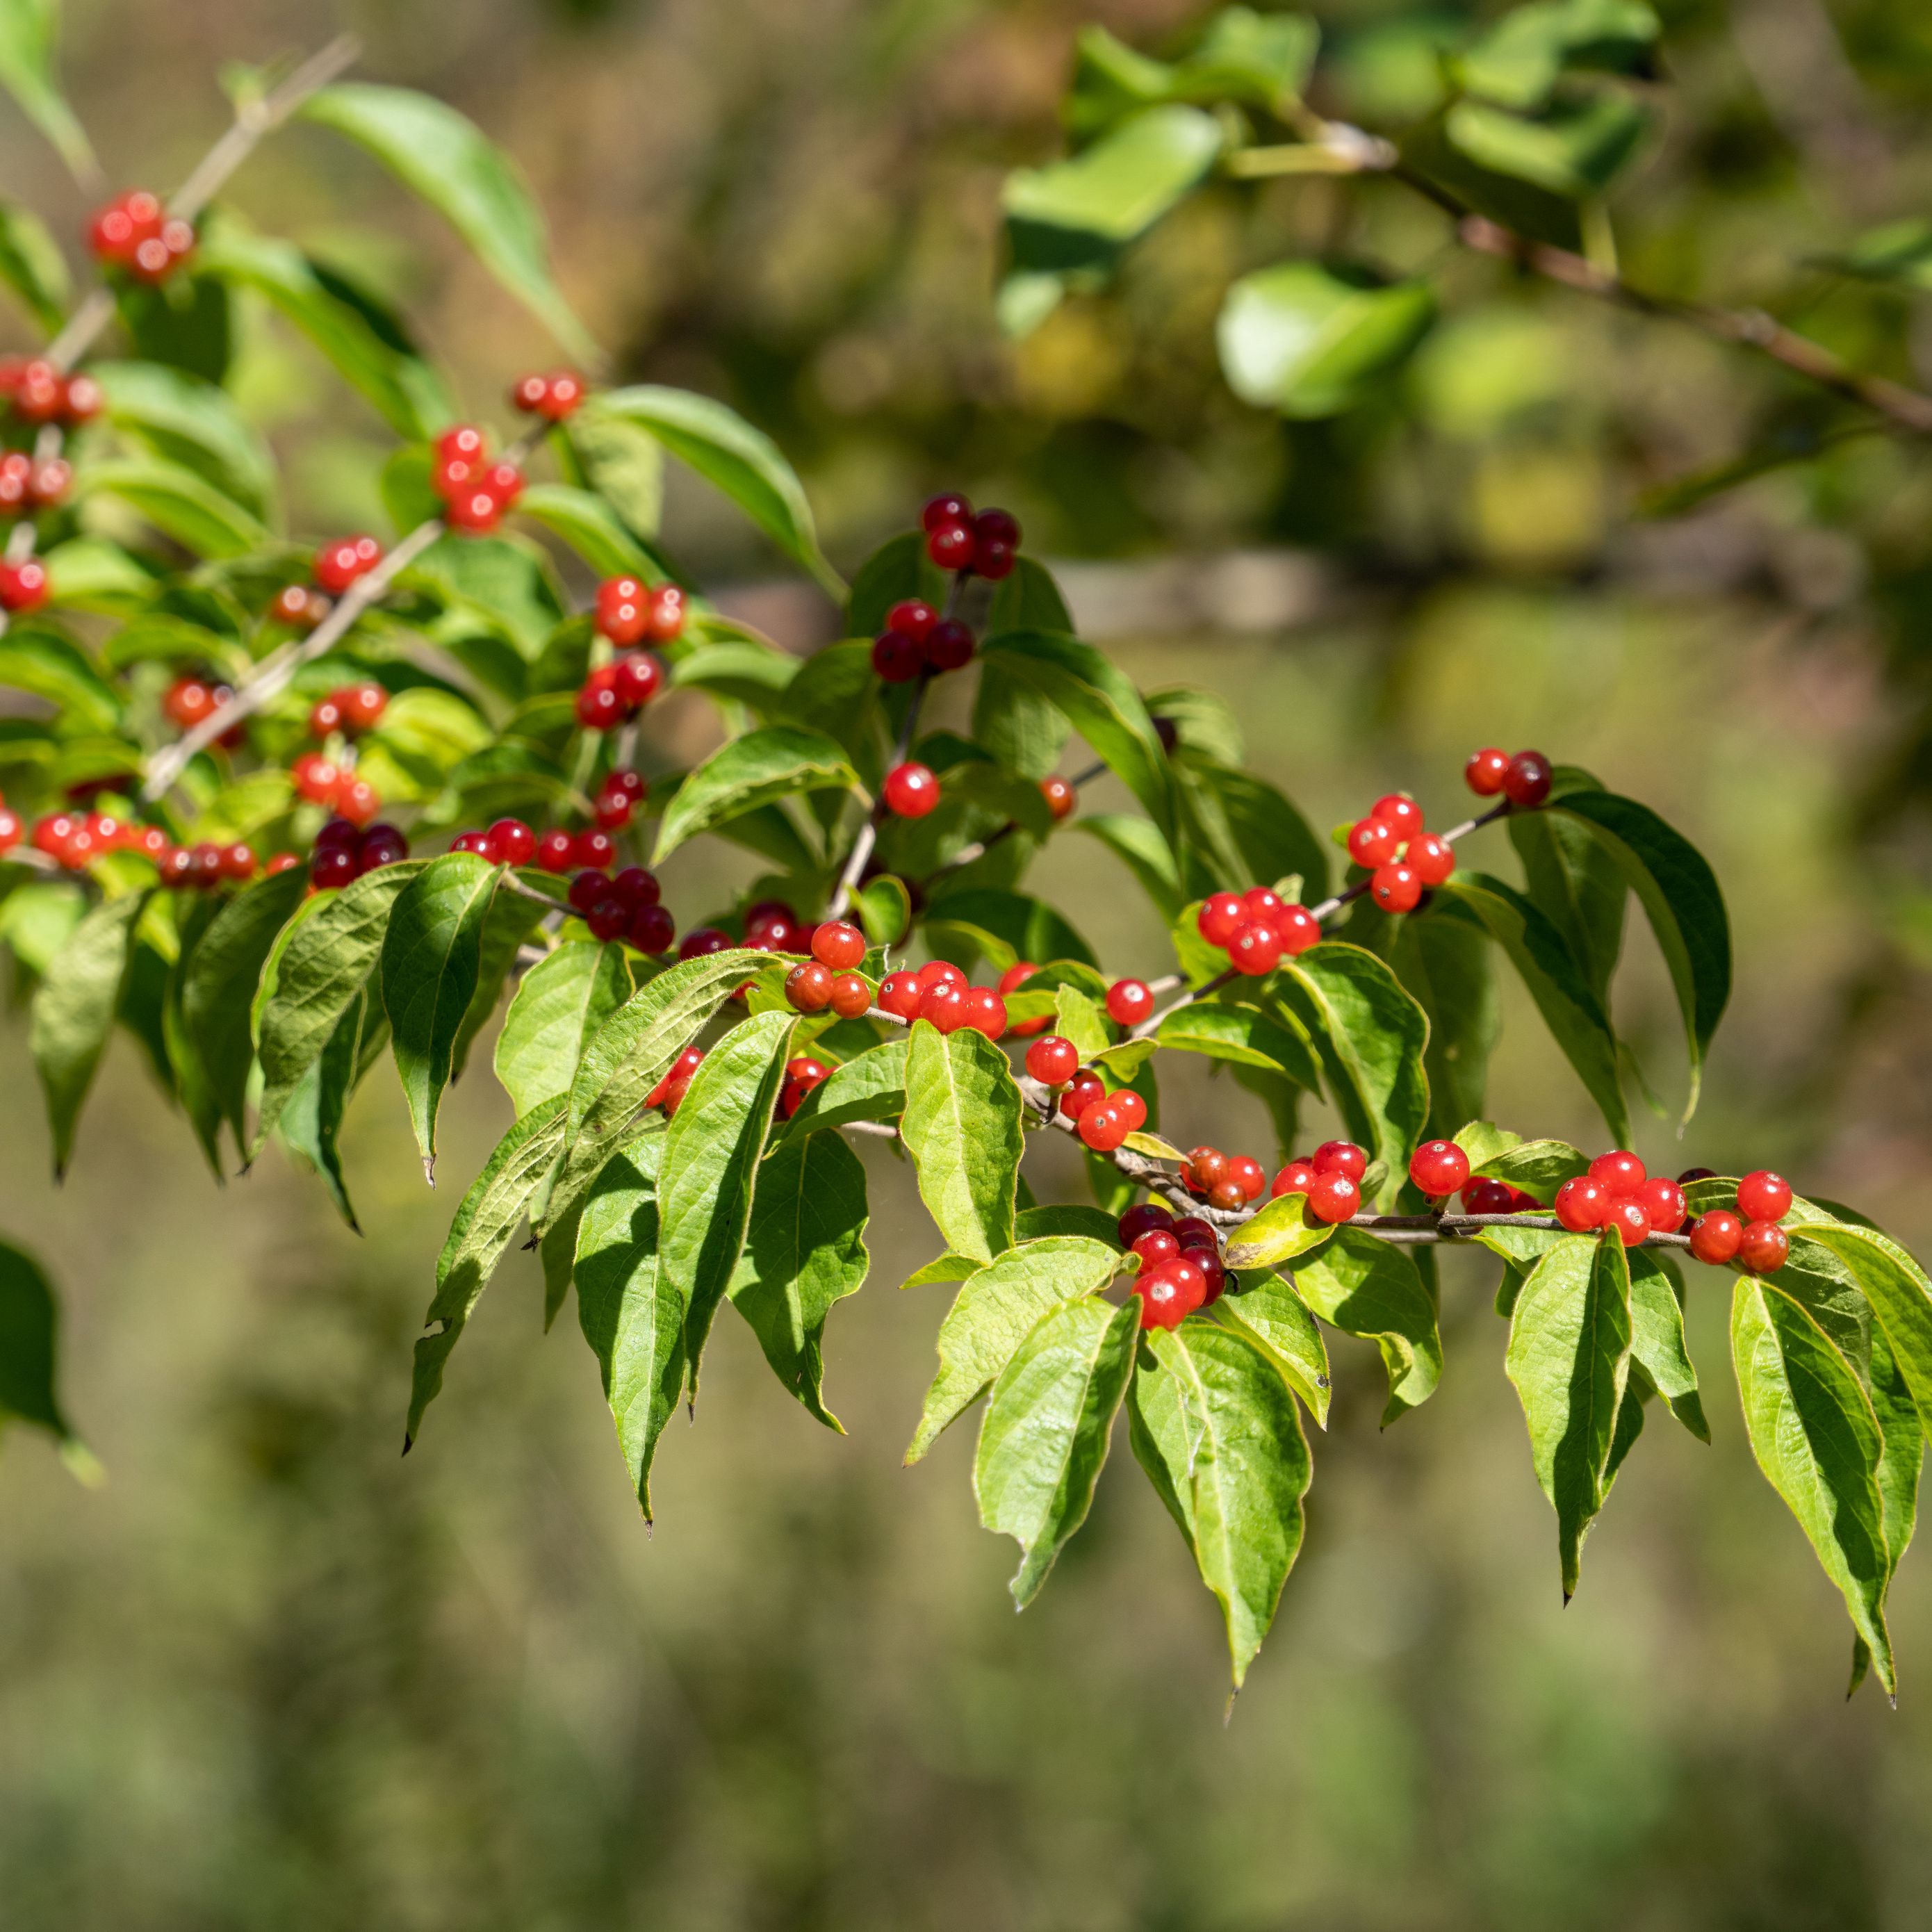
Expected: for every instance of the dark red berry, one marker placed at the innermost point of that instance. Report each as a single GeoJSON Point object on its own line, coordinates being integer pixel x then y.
{"type": "Point", "coordinates": [948, 509]}
{"type": "Point", "coordinates": [608, 918]}
{"type": "Point", "coordinates": [1145, 1218]}
{"type": "Point", "coordinates": [949, 647]}
{"type": "Point", "coordinates": [555, 850]}
{"type": "Point", "coordinates": [381, 845]}
{"type": "Point", "coordinates": [1206, 1168]}
{"type": "Point", "coordinates": [599, 708]}
{"type": "Point", "coordinates": [637, 676]}
{"type": "Point", "coordinates": [897, 658]}
{"type": "Point", "coordinates": [914, 618]}
{"type": "Point", "coordinates": [587, 888]}
{"type": "Point", "coordinates": [637, 887]}
{"type": "Point", "coordinates": [1527, 780]}
{"type": "Point", "coordinates": [951, 546]}
{"type": "Point", "coordinates": [333, 868]}
{"type": "Point", "coordinates": [594, 848]}
{"type": "Point", "coordinates": [808, 987]}
{"type": "Point", "coordinates": [1489, 1197]}
{"type": "Point", "coordinates": [1191, 1231]}
{"type": "Point", "coordinates": [701, 941]}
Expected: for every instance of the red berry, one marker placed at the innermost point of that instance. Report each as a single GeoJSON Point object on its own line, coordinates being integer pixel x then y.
{"type": "Point", "coordinates": [586, 889]}
{"type": "Point", "coordinates": [653, 929]}
{"type": "Point", "coordinates": [317, 778]}
{"type": "Point", "coordinates": [599, 707]}
{"type": "Point", "coordinates": [1160, 1296]}
{"type": "Point", "coordinates": [623, 610]}
{"type": "Point", "coordinates": [1256, 949]}
{"type": "Point", "coordinates": [237, 862]}
{"type": "Point", "coordinates": [911, 790]}
{"type": "Point", "coordinates": [188, 701]}
{"type": "Point", "coordinates": [1263, 903]}
{"type": "Point", "coordinates": [1715, 1238]}
{"type": "Point", "coordinates": [82, 399]}
{"type": "Point", "coordinates": [1191, 1231]}
{"type": "Point", "coordinates": [1129, 1002]}
{"type": "Point", "coordinates": [1213, 1272]}
{"type": "Point", "coordinates": [1400, 813]}
{"type": "Point", "coordinates": [1298, 929]}
{"type": "Point", "coordinates": [808, 987]}
{"type": "Point", "coordinates": [1340, 1157]}
{"type": "Point", "coordinates": [638, 677]}
{"type": "Point", "coordinates": [1245, 1172]}
{"type": "Point", "coordinates": [474, 507]}
{"type": "Point", "coordinates": [1155, 1247]}
{"type": "Point", "coordinates": [948, 509]}
{"type": "Point", "coordinates": [49, 483]}
{"type": "Point", "coordinates": [951, 546]}
{"type": "Point", "coordinates": [839, 945]}
{"type": "Point", "coordinates": [1662, 1201]}
{"type": "Point", "coordinates": [594, 848]}
{"type": "Point", "coordinates": [504, 483]}
{"type": "Point", "coordinates": [1431, 859]}
{"type": "Point", "coordinates": [510, 842]}
{"type": "Point", "coordinates": [899, 995]}
{"type": "Point", "coordinates": [1296, 1177]}
{"type": "Point", "coordinates": [357, 800]}
{"type": "Point", "coordinates": [9, 829]}
{"type": "Point", "coordinates": [1631, 1223]}
{"type": "Point", "coordinates": [1372, 842]}
{"type": "Point", "coordinates": [851, 995]}
{"type": "Point", "coordinates": [637, 887]}
{"type": "Point", "coordinates": [1146, 1217]}
{"type": "Point", "coordinates": [1060, 797]}
{"type": "Point", "coordinates": [897, 658]}
{"type": "Point", "coordinates": [669, 608]}
{"type": "Point", "coordinates": [1396, 888]}
{"type": "Point", "coordinates": [1582, 1202]}
{"type": "Point", "coordinates": [950, 646]}
{"type": "Point", "coordinates": [608, 918]}
{"type": "Point", "coordinates": [700, 941]}
{"type": "Point", "coordinates": [17, 480]}
{"type": "Point", "coordinates": [1691, 1174]}
{"type": "Point", "coordinates": [334, 867]}
{"type": "Point", "coordinates": [1103, 1127]}
{"type": "Point", "coordinates": [1207, 1168]}
{"type": "Point", "coordinates": [325, 717]}
{"type": "Point", "coordinates": [1527, 780]}
{"type": "Point", "coordinates": [912, 617]}
{"type": "Point", "coordinates": [527, 394]}
{"type": "Point", "coordinates": [554, 850]}
{"type": "Point", "coordinates": [1489, 1197]}
{"type": "Point", "coordinates": [1622, 1173]}
{"type": "Point", "coordinates": [23, 587]}
{"type": "Point", "coordinates": [1054, 1060]}
{"type": "Point", "coordinates": [612, 810]}
{"type": "Point", "coordinates": [1082, 1091]}
{"type": "Point", "coordinates": [1220, 918]}
{"type": "Point", "coordinates": [1764, 1196]}
{"type": "Point", "coordinates": [1485, 772]}
{"type": "Point", "coordinates": [338, 565]}
{"type": "Point", "coordinates": [380, 845]}
{"type": "Point", "coordinates": [1333, 1196]}
{"type": "Point", "coordinates": [985, 1011]}
{"type": "Point", "coordinates": [1438, 1168]}
{"type": "Point", "coordinates": [943, 1004]}
{"type": "Point", "coordinates": [1133, 1108]}
{"type": "Point", "coordinates": [362, 705]}
{"type": "Point", "coordinates": [40, 393]}
{"type": "Point", "coordinates": [1764, 1247]}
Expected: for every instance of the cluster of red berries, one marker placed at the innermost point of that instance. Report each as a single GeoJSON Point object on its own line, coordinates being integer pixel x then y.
{"type": "Point", "coordinates": [23, 587]}
{"type": "Point", "coordinates": [1101, 1119]}
{"type": "Point", "coordinates": [322, 782]}
{"type": "Point", "coordinates": [939, 992]}
{"type": "Point", "coordinates": [911, 790]}
{"type": "Point", "coordinates": [592, 850]}
{"type": "Point", "coordinates": [1181, 1264]}
{"type": "Point", "coordinates": [828, 979]}
{"type": "Point", "coordinates": [626, 905]}
{"type": "Point", "coordinates": [1524, 780]}
{"type": "Point", "coordinates": [476, 492]}
{"type": "Point", "coordinates": [956, 539]}
{"type": "Point", "coordinates": [36, 392]}
{"type": "Point", "coordinates": [1617, 1193]}
{"type": "Point", "coordinates": [1440, 1168]}
{"type": "Point", "coordinates": [299, 606]}
{"type": "Point", "coordinates": [345, 851]}
{"type": "Point", "coordinates": [630, 612]}
{"type": "Point", "coordinates": [349, 709]}
{"type": "Point", "coordinates": [26, 484]}
{"type": "Point", "coordinates": [1331, 1179]}
{"type": "Point", "coordinates": [554, 398]}
{"type": "Point", "coordinates": [801, 1076]}
{"type": "Point", "coordinates": [618, 798]}
{"type": "Point", "coordinates": [1403, 859]}
{"type": "Point", "coordinates": [74, 840]}
{"type": "Point", "coordinates": [916, 639]}
{"type": "Point", "coordinates": [670, 1090]}
{"type": "Point", "coordinates": [1257, 929]}
{"type": "Point", "coordinates": [1229, 1181]}
{"type": "Point", "coordinates": [135, 233]}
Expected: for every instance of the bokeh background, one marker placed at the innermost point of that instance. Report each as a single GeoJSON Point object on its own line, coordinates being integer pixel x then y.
{"type": "Point", "coordinates": [272, 1675]}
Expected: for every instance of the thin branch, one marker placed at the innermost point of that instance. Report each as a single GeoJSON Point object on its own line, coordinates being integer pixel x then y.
{"type": "Point", "coordinates": [863, 846]}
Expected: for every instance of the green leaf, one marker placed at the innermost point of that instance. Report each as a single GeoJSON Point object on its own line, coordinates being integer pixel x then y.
{"type": "Point", "coordinates": [179, 503]}
{"type": "Point", "coordinates": [1679, 894]}
{"type": "Point", "coordinates": [1247, 830]}
{"type": "Point", "coordinates": [1445, 962]}
{"type": "Point", "coordinates": [962, 1127]}
{"type": "Point", "coordinates": [1224, 1030]}
{"type": "Point", "coordinates": [1569, 1357]}
{"type": "Point", "coordinates": [430, 953]}
{"type": "Point", "coordinates": [194, 425]}
{"type": "Point", "coordinates": [1817, 1438]}
{"type": "Point", "coordinates": [1903, 1437]}
{"type": "Point", "coordinates": [631, 1315]}
{"type": "Point", "coordinates": [625, 465]}
{"type": "Point", "coordinates": [993, 1314]}
{"type": "Point", "coordinates": [1578, 887]}
{"type": "Point", "coordinates": [1373, 1289]}
{"type": "Point", "coordinates": [899, 568]}
{"type": "Point", "coordinates": [1280, 1230]}
{"type": "Point", "coordinates": [1574, 147]}
{"type": "Point", "coordinates": [590, 526]}
{"type": "Point", "coordinates": [1007, 927]}
{"type": "Point", "coordinates": [29, 1332]}
{"type": "Point", "coordinates": [39, 660]}
{"type": "Point", "coordinates": [1575, 1016]}
{"type": "Point", "coordinates": [187, 323]}
{"type": "Point", "coordinates": [1212, 1423]}
{"type": "Point", "coordinates": [559, 1003]}
{"type": "Point", "coordinates": [311, 1125]}
{"type": "Point", "coordinates": [499, 1199]}
{"type": "Point", "coordinates": [32, 266]}
{"type": "Point", "coordinates": [1370, 1035]}
{"type": "Point", "coordinates": [1098, 699]}
{"type": "Point", "coordinates": [884, 909]}
{"type": "Point", "coordinates": [1537, 1167]}
{"type": "Point", "coordinates": [512, 917]}
{"type": "Point", "coordinates": [871, 1086]}
{"type": "Point", "coordinates": [28, 34]}
{"type": "Point", "coordinates": [317, 966]}
{"type": "Point", "coordinates": [734, 457]}
{"type": "Point", "coordinates": [74, 1013]}
{"type": "Point", "coordinates": [1657, 1337]}
{"type": "Point", "coordinates": [442, 156]}
{"type": "Point", "coordinates": [1269, 1312]}
{"type": "Point", "coordinates": [710, 1167]}
{"type": "Point", "coordinates": [805, 1250]}
{"type": "Point", "coordinates": [1519, 60]}
{"type": "Point", "coordinates": [763, 766]}
{"type": "Point", "coordinates": [1309, 339]}
{"type": "Point", "coordinates": [1046, 1429]}
{"type": "Point", "coordinates": [1138, 844]}
{"type": "Point", "coordinates": [1901, 1297]}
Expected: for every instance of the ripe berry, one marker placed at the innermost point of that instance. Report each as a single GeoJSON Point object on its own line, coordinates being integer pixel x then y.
{"type": "Point", "coordinates": [1015, 976]}
{"type": "Point", "coordinates": [1220, 917]}
{"type": "Point", "coordinates": [839, 945]}
{"type": "Point", "coordinates": [554, 850]}
{"type": "Point", "coordinates": [949, 647]}
{"type": "Point", "coordinates": [700, 941]}
{"type": "Point", "coordinates": [381, 845]}
{"type": "Point", "coordinates": [985, 1011]}
{"type": "Point", "coordinates": [1060, 797]}
{"type": "Point", "coordinates": [911, 790]}
{"type": "Point", "coordinates": [1438, 1168]}
{"type": "Point", "coordinates": [608, 918]}
{"type": "Point", "coordinates": [897, 658]}
{"type": "Point", "coordinates": [586, 889]}
{"type": "Point", "coordinates": [39, 392]}
{"type": "Point", "coordinates": [188, 701]}
{"type": "Point", "coordinates": [623, 610]}
{"type": "Point", "coordinates": [637, 887]}
{"type": "Point", "coordinates": [9, 829]}
{"type": "Point", "coordinates": [1400, 813]}
{"type": "Point", "coordinates": [1715, 1238]}
{"type": "Point", "coordinates": [1622, 1173]}
{"type": "Point", "coordinates": [1154, 1247]}
{"type": "Point", "coordinates": [1206, 1168]}
{"type": "Point", "coordinates": [1245, 1172]}
{"type": "Point", "coordinates": [638, 677]}
{"type": "Point", "coordinates": [82, 400]}
{"type": "Point", "coordinates": [1691, 1174]}
{"type": "Point", "coordinates": [1213, 1272]}
{"type": "Point", "coordinates": [1162, 1295]}
{"type": "Point", "coordinates": [1431, 859]}
{"type": "Point", "coordinates": [599, 707]}
{"type": "Point", "coordinates": [16, 478]}
{"type": "Point", "coordinates": [1489, 1197]}
{"type": "Point", "coordinates": [1133, 1108]}
{"type": "Point", "coordinates": [808, 987]}
{"type": "Point", "coordinates": [1256, 949]}
{"type": "Point", "coordinates": [317, 778]}
{"type": "Point", "coordinates": [653, 929]}
{"type": "Point", "coordinates": [1129, 1002]}
{"type": "Point", "coordinates": [1081, 1092]}
{"type": "Point", "coordinates": [1485, 770]}
{"type": "Point", "coordinates": [912, 617]}
{"type": "Point", "coordinates": [1333, 1196]}
{"type": "Point", "coordinates": [1296, 1177]}
{"type": "Point", "coordinates": [950, 508]}
{"type": "Point", "coordinates": [1662, 1201]}
{"type": "Point", "coordinates": [1298, 929]}
{"type": "Point", "coordinates": [296, 605]}
{"type": "Point", "coordinates": [23, 587]}
{"type": "Point", "coordinates": [1764, 1196]}
{"type": "Point", "coordinates": [1764, 1247]}
{"type": "Point", "coordinates": [950, 545]}
{"type": "Point", "coordinates": [357, 800]}
{"type": "Point", "coordinates": [1631, 1223]}
{"type": "Point", "coordinates": [1145, 1217]}
{"type": "Point", "coordinates": [335, 867]}
{"type": "Point", "coordinates": [1226, 1196]}
{"type": "Point", "coordinates": [943, 1004]}
{"type": "Point", "coordinates": [1191, 1231]}
{"type": "Point", "coordinates": [474, 508]}
{"type": "Point", "coordinates": [1263, 903]}
{"type": "Point", "coordinates": [1372, 842]}
{"type": "Point", "coordinates": [996, 542]}
{"type": "Point", "coordinates": [851, 995]}
{"type": "Point", "coordinates": [592, 847]}
{"type": "Point", "coordinates": [510, 842]}
{"type": "Point", "coordinates": [1340, 1157]}
{"type": "Point", "coordinates": [669, 608]}
{"type": "Point", "coordinates": [49, 483]}
{"type": "Point", "coordinates": [1527, 780]}
{"type": "Point", "coordinates": [899, 995]}
{"type": "Point", "coordinates": [1396, 888]}
{"type": "Point", "coordinates": [338, 565]}
{"type": "Point", "coordinates": [1053, 1060]}
{"type": "Point", "coordinates": [237, 862]}
{"type": "Point", "coordinates": [1582, 1202]}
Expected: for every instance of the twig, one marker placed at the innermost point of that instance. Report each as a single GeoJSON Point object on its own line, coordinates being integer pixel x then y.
{"type": "Point", "coordinates": [868, 839]}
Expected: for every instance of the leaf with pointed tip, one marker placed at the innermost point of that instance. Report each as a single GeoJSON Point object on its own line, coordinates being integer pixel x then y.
{"type": "Point", "coordinates": [758, 768]}
{"type": "Point", "coordinates": [1246, 828]}
{"type": "Point", "coordinates": [710, 1167]}
{"type": "Point", "coordinates": [499, 1199]}
{"type": "Point", "coordinates": [311, 1121]}
{"type": "Point", "coordinates": [995, 1311]}
{"type": "Point", "coordinates": [1569, 1357]}
{"type": "Point", "coordinates": [32, 267]}
{"type": "Point", "coordinates": [74, 1012]}
{"type": "Point", "coordinates": [1224, 1029]}
{"type": "Point", "coordinates": [631, 1315]}
{"type": "Point", "coordinates": [431, 952]}
{"type": "Point", "coordinates": [805, 1250]}
{"type": "Point", "coordinates": [1575, 883]}
{"type": "Point", "coordinates": [29, 1331]}
{"type": "Point", "coordinates": [560, 1004]}
{"type": "Point", "coordinates": [1373, 1289]}
{"type": "Point", "coordinates": [1657, 1337]}
{"type": "Point", "coordinates": [1817, 1438]}
{"type": "Point", "coordinates": [590, 526]}
{"type": "Point", "coordinates": [316, 966]}
{"type": "Point", "coordinates": [962, 1126]}
{"type": "Point", "coordinates": [1212, 1423]}
{"type": "Point", "coordinates": [1537, 1167]}
{"type": "Point", "coordinates": [871, 1086]}
{"type": "Point", "coordinates": [1046, 1432]}
{"type": "Point", "coordinates": [1273, 1316]}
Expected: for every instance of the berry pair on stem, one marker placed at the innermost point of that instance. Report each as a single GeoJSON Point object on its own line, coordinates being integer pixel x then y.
{"type": "Point", "coordinates": [1229, 1182]}
{"type": "Point", "coordinates": [322, 782]}
{"type": "Point", "coordinates": [1330, 1180]}
{"type": "Point", "coordinates": [1258, 928]}
{"type": "Point", "coordinates": [26, 484]}
{"type": "Point", "coordinates": [135, 234]}
{"type": "Point", "coordinates": [36, 392]}
{"type": "Point", "coordinates": [957, 540]}
{"type": "Point", "coordinates": [1525, 779]}
{"type": "Point", "coordinates": [349, 709]}
{"type": "Point", "coordinates": [344, 851]}
{"type": "Point", "coordinates": [1180, 1265]}
{"type": "Point", "coordinates": [629, 613]}
{"type": "Point", "coordinates": [917, 640]}
{"type": "Point", "coordinates": [476, 491]}
{"type": "Point", "coordinates": [554, 398]}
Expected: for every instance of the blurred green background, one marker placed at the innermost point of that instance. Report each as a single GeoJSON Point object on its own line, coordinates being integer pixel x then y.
{"type": "Point", "coordinates": [271, 1674]}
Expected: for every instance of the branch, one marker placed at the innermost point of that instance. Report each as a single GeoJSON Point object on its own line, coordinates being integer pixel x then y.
{"type": "Point", "coordinates": [868, 839]}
